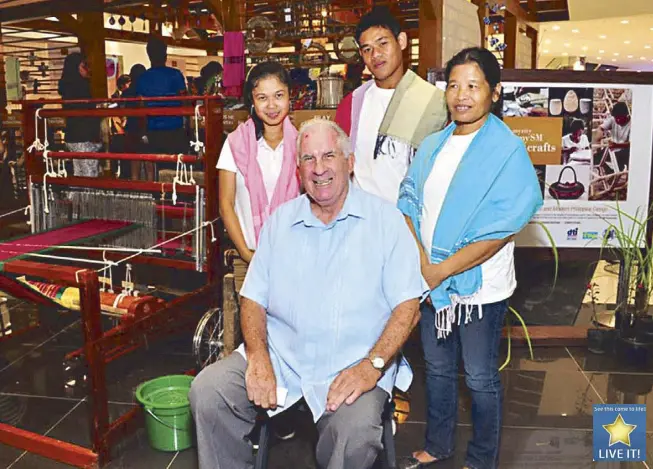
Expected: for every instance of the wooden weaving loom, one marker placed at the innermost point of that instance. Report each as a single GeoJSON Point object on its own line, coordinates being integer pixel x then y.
{"type": "Point", "coordinates": [61, 219]}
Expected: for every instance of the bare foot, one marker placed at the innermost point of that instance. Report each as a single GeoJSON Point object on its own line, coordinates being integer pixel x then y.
{"type": "Point", "coordinates": [423, 456]}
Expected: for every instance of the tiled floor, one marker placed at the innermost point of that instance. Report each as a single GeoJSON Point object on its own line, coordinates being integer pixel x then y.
{"type": "Point", "coordinates": [547, 419]}
{"type": "Point", "coordinates": [548, 399]}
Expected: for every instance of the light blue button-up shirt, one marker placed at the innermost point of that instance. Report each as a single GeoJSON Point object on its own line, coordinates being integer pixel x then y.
{"type": "Point", "coordinates": [329, 291]}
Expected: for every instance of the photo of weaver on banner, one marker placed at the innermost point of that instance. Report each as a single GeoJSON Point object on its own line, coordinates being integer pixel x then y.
{"type": "Point", "coordinates": [519, 101]}
{"type": "Point", "coordinates": [574, 106]}
{"type": "Point", "coordinates": [610, 144]}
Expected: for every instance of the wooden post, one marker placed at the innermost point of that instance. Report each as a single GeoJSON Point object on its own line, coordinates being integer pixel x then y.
{"type": "Point", "coordinates": [89, 287]}
{"type": "Point", "coordinates": [213, 126]}
{"type": "Point", "coordinates": [91, 38]}
{"type": "Point", "coordinates": [533, 34]}
{"type": "Point", "coordinates": [482, 13]}
{"type": "Point", "coordinates": [3, 85]}
{"type": "Point", "coordinates": [510, 32]}
{"type": "Point", "coordinates": [430, 35]}
{"type": "Point", "coordinates": [33, 166]}
{"type": "Point", "coordinates": [230, 314]}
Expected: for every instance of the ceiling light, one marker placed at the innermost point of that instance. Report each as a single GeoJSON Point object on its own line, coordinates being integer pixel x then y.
{"type": "Point", "coordinates": [647, 47]}
{"type": "Point", "coordinates": [575, 31]}
{"type": "Point", "coordinates": [614, 60]}
{"type": "Point", "coordinates": [626, 42]}
{"type": "Point", "coordinates": [616, 54]}
{"type": "Point", "coordinates": [555, 27]}
{"type": "Point", "coordinates": [585, 48]}
{"type": "Point", "coordinates": [565, 54]}
{"type": "Point", "coordinates": [625, 21]}
{"type": "Point", "coordinates": [601, 51]}
{"type": "Point", "coordinates": [567, 44]}
{"type": "Point", "coordinates": [603, 36]}
{"type": "Point", "coordinates": [599, 58]}
{"type": "Point", "coordinates": [546, 51]}
{"type": "Point", "coordinates": [630, 56]}
{"type": "Point", "coordinates": [548, 41]}
{"type": "Point", "coordinates": [642, 58]}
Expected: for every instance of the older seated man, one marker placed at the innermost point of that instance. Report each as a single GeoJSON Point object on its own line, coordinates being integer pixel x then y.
{"type": "Point", "coordinates": [330, 297]}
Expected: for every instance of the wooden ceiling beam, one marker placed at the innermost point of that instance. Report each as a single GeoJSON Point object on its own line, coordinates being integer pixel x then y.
{"type": "Point", "coordinates": [551, 5]}
{"type": "Point", "coordinates": [45, 9]}
{"type": "Point", "coordinates": [551, 16]}
{"type": "Point", "coordinates": [532, 6]}
{"type": "Point", "coordinates": [227, 13]}
{"type": "Point", "coordinates": [69, 22]}
{"type": "Point", "coordinates": [121, 36]}
{"type": "Point", "coordinates": [514, 7]}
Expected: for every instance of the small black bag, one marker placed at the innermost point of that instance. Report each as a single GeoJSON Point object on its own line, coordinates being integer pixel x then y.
{"type": "Point", "coordinates": [566, 190]}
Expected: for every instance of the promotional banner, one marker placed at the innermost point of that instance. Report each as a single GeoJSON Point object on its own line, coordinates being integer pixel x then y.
{"type": "Point", "coordinates": [591, 146]}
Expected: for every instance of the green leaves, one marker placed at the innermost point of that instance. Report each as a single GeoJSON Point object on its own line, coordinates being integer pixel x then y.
{"type": "Point", "coordinates": [526, 334]}
{"type": "Point", "coordinates": [631, 246]}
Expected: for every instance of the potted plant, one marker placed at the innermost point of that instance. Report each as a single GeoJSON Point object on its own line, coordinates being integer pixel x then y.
{"type": "Point", "coordinates": [600, 338]}
{"type": "Point", "coordinates": [633, 324]}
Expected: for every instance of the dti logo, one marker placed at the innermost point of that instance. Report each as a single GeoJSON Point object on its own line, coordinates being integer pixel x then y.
{"type": "Point", "coordinates": [572, 234]}
{"type": "Point", "coordinates": [609, 234]}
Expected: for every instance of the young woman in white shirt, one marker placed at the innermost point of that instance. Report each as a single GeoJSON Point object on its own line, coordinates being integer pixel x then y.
{"type": "Point", "coordinates": [257, 165]}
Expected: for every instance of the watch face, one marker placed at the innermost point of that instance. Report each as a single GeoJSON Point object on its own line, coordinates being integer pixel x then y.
{"type": "Point", "coordinates": [378, 362]}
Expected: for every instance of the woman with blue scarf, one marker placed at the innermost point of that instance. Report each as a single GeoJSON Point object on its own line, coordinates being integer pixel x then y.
{"type": "Point", "coordinates": [470, 188]}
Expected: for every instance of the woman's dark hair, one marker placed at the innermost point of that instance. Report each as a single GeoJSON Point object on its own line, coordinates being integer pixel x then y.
{"type": "Point", "coordinates": [123, 80]}
{"type": "Point", "coordinates": [207, 72]}
{"type": "Point", "coordinates": [135, 72]}
{"type": "Point", "coordinates": [70, 77]}
{"type": "Point", "coordinates": [488, 64]}
{"type": "Point", "coordinates": [260, 71]}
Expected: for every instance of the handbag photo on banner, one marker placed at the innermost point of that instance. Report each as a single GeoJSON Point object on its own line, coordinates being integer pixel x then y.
{"type": "Point", "coordinates": [567, 182]}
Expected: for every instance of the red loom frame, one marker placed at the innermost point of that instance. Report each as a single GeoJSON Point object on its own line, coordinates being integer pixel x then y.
{"type": "Point", "coordinates": [101, 348]}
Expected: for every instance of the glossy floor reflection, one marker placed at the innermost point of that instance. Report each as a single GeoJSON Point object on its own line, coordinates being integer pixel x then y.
{"type": "Point", "coordinates": [547, 418]}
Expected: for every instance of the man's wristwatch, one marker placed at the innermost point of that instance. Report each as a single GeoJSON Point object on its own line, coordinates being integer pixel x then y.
{"type": "Point", "coordinates": [377, 362]}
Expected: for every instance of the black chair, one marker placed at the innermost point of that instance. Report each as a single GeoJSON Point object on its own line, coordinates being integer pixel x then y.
{"type": "Point", "coordinates": [387, 458]}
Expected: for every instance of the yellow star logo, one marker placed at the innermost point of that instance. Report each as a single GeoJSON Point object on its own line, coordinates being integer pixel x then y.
{"type": "Point", "coordinates": [619, 431]}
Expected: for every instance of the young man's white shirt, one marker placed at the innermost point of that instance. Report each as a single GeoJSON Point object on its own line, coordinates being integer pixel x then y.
{"type": "Point", "coordinates": [382, 175]}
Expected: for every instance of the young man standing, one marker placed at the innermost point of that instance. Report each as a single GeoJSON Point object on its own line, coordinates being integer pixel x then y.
{"type": "Point", "coordinates": [388, 117]}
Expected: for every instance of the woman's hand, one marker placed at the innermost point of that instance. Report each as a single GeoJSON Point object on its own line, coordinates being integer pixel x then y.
{"type": "Point", "coordinates": [434, 274]}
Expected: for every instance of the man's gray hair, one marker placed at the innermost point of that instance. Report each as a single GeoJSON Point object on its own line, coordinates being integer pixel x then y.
{"type": "Point", "coordinates": [344, 144]}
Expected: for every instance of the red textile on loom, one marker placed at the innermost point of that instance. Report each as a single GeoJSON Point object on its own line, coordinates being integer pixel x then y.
{"type": "Point", "coordinates": [17, 290]}
{"type": "Point", "coordinates": [33, 243]}
{"type": "Point", "coordinates": [65, 235]}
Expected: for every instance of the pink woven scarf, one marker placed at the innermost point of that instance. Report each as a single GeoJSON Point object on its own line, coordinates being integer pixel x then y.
{"type": "Point", "coordinates": [244, 147]}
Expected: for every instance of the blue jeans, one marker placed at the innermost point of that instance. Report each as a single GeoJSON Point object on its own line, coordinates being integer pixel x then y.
{"type": "Point", "coordinates": [479, 342]}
